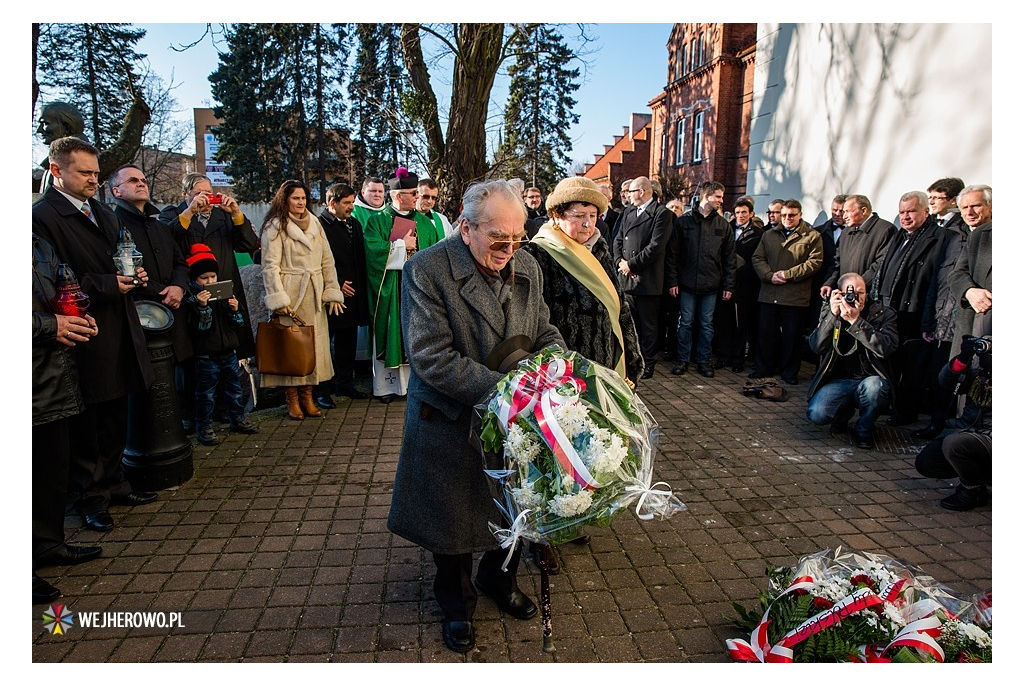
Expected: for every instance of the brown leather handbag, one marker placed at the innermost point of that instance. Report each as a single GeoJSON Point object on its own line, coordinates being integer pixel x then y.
{"type": "Point", "coordinates": [285, 350]}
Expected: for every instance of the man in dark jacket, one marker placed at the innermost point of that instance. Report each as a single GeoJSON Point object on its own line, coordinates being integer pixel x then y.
{"type": "Point", "coordinates": [639, 254]}
{"type": "Point", "coordinates": [971, 279]}
{"type": "Point", "coordinates": [853, 338]}
{"type": "Point", "coordinates": [114, 365]}
{"type": "Point", "coordinates": [55, 399]}
{"type": "Point", "coordinates": [736, 318]}
{"type": "Point", "coordinates": [902, 279]}
{"type": "Point", "coordinates": [215, 220]}
{"type": "Point", "coordinates": [704, 267]}
{"type": "Point", "coordinates": [864, 241]}
{"type": "Point", "coordinates": [345, 236]}
{"type": "Point", "coordinates": [967, 452]}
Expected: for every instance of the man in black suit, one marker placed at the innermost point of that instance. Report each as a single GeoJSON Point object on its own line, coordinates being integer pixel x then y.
{"type": "Point", "coordinates": [610, 217]}
{"type": "Point", "coordinates": [217, 221]}
{"type": "Point", "coordinates": [345, 236]}
{"type": "Point", "coordinates": [115, 363]}
{"type": "Point", "coordinates": [831, 230]}
{"type": "Point", "coordinates": [864, 241]}
{"type": "Point", "coordinates": [902, 280]}
{"type": "Point", "coordinates": [639, 254]}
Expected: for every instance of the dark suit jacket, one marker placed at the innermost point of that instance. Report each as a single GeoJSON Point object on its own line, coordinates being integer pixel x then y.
{"type": "Point", "coordinates": [828, 246]}
{"type": "Point", "coordinates": [224, 239]}
{"type": "Point", "coordinates": [115, 363]}
{"type": "Point", "coordinates": [611, 221]}
{"type": "Point", "coordinates": [973, 270]}
{"type": "Point", "coordinates": [913, 277]}
{"type": "Point", "coordinates": [164, 264]}
{"type": "Point", "coordinates": [345, 236]}
{"type": "Point", "coordinates": [642, 240]}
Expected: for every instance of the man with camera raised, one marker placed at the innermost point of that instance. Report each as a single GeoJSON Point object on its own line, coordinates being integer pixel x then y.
{"type": "Point", "coordinates": [853, 337]}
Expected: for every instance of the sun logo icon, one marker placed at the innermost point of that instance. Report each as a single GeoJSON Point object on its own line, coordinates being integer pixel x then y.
{"type": "Point", "coordinates": [58, 619]}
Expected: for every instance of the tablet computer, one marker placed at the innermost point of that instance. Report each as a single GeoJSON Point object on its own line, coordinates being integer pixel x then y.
{"type": "Point", "coordinates": [221, 290]}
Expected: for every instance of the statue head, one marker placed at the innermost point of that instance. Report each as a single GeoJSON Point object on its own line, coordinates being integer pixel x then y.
{"type": "Point", "coordinates": [58, 120]}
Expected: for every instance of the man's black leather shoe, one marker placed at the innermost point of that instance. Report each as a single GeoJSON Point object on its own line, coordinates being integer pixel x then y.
{"type": "Point", "coordinates": [965, 499]}
{"type": "Point", "coordinates": [738, 367]}
{"type": "Point", "coordinates": [648, 372]}
{"type": "Point", "coordinates": [99, 521]}
{"type": "Point", "coordinates": [515, 603]}
{"type": "Point", "coordinates": [43, 592]}
{"type": "Point", "coordinates": [705, 370]}
{"type": "Point", "coordinates": [325, 402]}
{"type": "Point", "coordinates": [900, 420]}
{"type": "Point", "coordinates": [135, 498]}
{"type": "Point", "coordinates": [67, 555]}
{"type": "Point", "coordinates": [929, 432]}
{"type": "Point", "coordinates": [680, 369]}
{"type": "Point", "coordinates": [387, 399]}
{"type": "Point", "coordinates": [349, 391]}
{"type": "Point", "coordinates": [458, 635]}
{"type": "Point", "coordinates": [864, 442]}
{"type": "Point", "coordinates": [719, 364]}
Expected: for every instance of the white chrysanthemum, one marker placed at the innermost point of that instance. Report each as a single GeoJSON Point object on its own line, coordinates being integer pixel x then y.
{"type": "Point", "coordinates": [523, 446]}
{"type": "Point", "coordinates": [568, 506]}
{"type": "Point", "coordinates": [970, 631]}
{"type": "Point", "coordinates": [573, 418]}
{"type": "Point", "coordinates": [894, 615]}
{"type": "Point", "coordinates": [526, 498]}
{"type": "Point", "coordinates": [880, 574]}
{"type": "Point", "coordinates": [833, 589]}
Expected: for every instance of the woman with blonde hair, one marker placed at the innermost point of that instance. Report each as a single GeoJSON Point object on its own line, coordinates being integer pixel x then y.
{"type": "Point", "coordinates": [300, 280]}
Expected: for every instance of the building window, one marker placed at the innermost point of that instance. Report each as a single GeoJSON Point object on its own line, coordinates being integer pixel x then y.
{"type": "Point", "coordinates": [701, 50]}
{"type": "Point", "coordinates": [698, 136]}
{"type": "Point", "coordinates": [694, 51]}
{"type": "Point", "coordinates": [680, 130]}
{"type": "Point", "coordinates": [677, 71]}
{"type": "Point", "coordinates": [682, 57]}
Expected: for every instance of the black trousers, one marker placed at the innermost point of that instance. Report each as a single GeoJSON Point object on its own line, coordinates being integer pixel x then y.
{"type": "Point", "coordinates": [453, 584]}
{"type": "Point", "coordinates": [343, 356]}
{"type": "Point", "coordinates": [965, 455]}
{"type": "Point", "coordinates": [735, 330]}
{"type": "Point", "coordinates": [50, 462]}
{"type": "Point", "coordinates": [780, 344]}
{"type": "Point", "coordinates": [644, 309]}
{"type": "Point", "coordinates": [101, 432]}
{"type": "Point", "coordinates": [942, 404]}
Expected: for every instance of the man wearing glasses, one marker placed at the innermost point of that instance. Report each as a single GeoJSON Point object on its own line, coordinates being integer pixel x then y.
{"type": "Point", "coordinates": [391, 236]}
{"type": "Point", "coordinates": [461, 299]}
{"type": "Point", "coordinates": [425, 203]}
{"type": "Point", "coordinates": [645, 229]}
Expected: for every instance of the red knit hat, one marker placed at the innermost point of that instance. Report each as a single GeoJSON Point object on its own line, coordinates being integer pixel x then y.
{"type": "Point", "coordinates": [200, 260]}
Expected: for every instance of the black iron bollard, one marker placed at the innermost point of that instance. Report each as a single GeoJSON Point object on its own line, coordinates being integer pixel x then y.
{"type": "Point", "coordinates": [157, 455]}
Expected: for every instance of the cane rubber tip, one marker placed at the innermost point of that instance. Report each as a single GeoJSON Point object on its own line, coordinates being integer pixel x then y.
{"type": "Point", "coordinates": [549, 646]}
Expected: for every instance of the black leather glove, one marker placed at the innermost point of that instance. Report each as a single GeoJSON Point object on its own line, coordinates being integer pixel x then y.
{"type": "Point", "coordinates": [966, 351]}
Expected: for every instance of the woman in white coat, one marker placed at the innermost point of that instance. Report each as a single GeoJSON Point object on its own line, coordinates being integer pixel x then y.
{"type": "Point", "coordinates": [300, 279]}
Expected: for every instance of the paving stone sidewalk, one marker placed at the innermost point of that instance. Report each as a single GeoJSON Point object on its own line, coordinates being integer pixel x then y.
{"type": "Point", "coordinates": [277, 549]}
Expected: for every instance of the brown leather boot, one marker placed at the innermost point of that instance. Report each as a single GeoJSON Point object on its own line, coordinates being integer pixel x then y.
{"type": "Point", "coordinates": [306, 400]}
{"type": "Point", "coordinates": [291, 399]}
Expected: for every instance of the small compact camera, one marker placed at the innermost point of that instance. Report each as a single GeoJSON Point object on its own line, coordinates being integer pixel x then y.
{"type": "Point", "coordinates": [981, 345]}
{"type": "Point", "coordinates": [215, 198]}
{"type": "Point", "coordinates": [850, 295]}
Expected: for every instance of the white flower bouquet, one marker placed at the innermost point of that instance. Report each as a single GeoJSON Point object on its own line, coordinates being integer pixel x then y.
{"type": "Point", "coordinates": [836, 606]}
{"type": "Point", "coordinates": [567, 443]}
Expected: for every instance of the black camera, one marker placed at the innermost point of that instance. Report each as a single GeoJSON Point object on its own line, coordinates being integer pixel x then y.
{"type": "Point", "coordinates": [850, 295]}
{"type": "Point", "coordinates": [981, 345]}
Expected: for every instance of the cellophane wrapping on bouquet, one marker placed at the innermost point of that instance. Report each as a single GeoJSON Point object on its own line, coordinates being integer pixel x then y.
{"type": "Point", "coordinates": [566, 443]}
{"type": "Point", "coordinates": [836, 606]}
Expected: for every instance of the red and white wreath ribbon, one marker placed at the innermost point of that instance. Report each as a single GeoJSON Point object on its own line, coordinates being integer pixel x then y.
{"type": "Point", "coordinates": [538, 390]}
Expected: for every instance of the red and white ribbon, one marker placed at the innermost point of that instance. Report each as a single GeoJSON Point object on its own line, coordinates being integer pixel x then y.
{"type": "Point", "coordinates": [538, 390]}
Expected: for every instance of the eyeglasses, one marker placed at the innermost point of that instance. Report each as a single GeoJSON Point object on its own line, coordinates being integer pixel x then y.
{"type": "Point", "coordinates": [428, 197]}
{"type": "Point", "coordinates": [635, 190]}
{"type": "Point", "coordinates": [499, 245]}
{"type": "Point", "coordinates": [133, 180]}
{"type": "Point", "coordinates": [576, 216]}
{"type": "Point", "coordinates": [413, 193]}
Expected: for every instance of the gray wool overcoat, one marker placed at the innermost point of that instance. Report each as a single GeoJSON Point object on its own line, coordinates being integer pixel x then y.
{"type": "Point", "coordinates": [451, 321]}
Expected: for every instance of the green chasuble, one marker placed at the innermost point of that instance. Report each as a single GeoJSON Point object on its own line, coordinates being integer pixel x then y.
{"type": "Point", "coordinates": [383, 284]}
{"type": "Point", "coordinates": [362, 213]}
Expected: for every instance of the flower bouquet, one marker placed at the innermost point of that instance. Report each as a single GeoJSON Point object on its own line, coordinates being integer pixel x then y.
{"type": "Point", "coordinates": [835, 606]}
{"type": "Point", "coordinates": [566, 443]}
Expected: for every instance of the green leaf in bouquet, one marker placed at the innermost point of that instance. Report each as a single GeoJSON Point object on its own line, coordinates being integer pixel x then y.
{"type": "Point", "coordinates": [491, 435]}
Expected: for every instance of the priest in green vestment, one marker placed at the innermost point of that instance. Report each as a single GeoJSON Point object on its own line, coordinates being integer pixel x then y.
{"type": "Point", "coordinates": [386, 252]}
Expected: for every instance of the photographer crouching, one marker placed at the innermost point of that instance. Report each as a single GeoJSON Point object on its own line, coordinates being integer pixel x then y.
{"type": "Point", "coordinates": [853, 338]}
{"type": "Point", "coordinates": [967, 452]}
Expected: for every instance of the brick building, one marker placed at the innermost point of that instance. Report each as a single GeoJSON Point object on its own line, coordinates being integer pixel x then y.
{"type": "Point", "coordinates": [628, 156]}
{"type": "Point", "coordinates": [700, 123]}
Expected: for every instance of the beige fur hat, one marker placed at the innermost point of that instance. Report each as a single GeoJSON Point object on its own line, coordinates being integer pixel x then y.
{"type": "Point", "coordinates": [577, 189]}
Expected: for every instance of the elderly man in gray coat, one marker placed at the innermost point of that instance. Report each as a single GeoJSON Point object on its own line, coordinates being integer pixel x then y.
{"type": "Point", "coordinates": [460, 299]}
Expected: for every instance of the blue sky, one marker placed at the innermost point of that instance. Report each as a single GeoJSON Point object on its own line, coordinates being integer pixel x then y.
{"type": "Point", "coordinates": [626, 69]}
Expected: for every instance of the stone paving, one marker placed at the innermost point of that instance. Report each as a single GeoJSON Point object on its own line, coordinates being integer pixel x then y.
{"type": "Point", "coordinates": [277, 549]}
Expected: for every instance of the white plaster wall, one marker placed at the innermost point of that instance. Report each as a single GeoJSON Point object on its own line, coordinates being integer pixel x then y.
{"type": "Point", "coordinates": [876, 109]}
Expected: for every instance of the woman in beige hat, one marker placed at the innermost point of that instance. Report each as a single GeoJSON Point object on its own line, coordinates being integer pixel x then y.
{"type": "Point", "coordinates": [579, 279]}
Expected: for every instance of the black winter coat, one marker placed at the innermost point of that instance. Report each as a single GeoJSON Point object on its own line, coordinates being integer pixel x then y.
{"type": "Point", "coordinates": [703, 259]}
{"type": "Point", "coordinates": [345, 236]}
{"type": "Point", "coordinates": [223, 238]}
{"type": "Point", "coordinates": [55, 392]}
{"type": "Point", "coordinates": [115, 363]}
